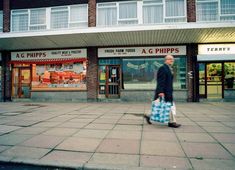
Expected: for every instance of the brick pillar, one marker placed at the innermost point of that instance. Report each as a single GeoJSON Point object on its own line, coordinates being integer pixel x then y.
{"type": "Point", "coordinates": [92, 74]}
{"type": "Point", "coordinates": [6, 79]}
{"type": "Point", "coordinates": [191, 10]}
{"type": "Point", "coordinates": [6, 15]}
{"type": "Point", "coordinates": [192, 67]}
{"type": "Point", "coordinates": [92, 13]}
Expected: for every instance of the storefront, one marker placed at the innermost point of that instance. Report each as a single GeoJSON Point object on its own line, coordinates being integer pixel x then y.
{"type": "Point", "coordinates": [129, 73]}
{"type": "Point", "coordinates": [55, 75]}
{"type": "Point", "coordinates": [216, 65]}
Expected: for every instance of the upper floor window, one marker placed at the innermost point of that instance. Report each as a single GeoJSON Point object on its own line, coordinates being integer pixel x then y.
{"type": "Point", "coordinates": [164, 11]}
{"type": "Point", "coordinates": [1, 21]}
{"type": "Point", "coordinates": [50, 18]}
{"type": "Point", "coordinates": [215, 10]}
{"type": "Point", "coordinates": [59, 17]}
{"type": "Point", "coordinates": [139, 12]}
{"type": "Point", "coordinates": [19, 20]}
{"type": "Point", "coordinates": [37, 19]}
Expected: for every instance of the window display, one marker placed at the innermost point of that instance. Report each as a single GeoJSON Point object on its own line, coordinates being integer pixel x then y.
{"type": "Point", "coordinates": [66, 76]}
{"type": "Point", "coordinates": [141, 73]}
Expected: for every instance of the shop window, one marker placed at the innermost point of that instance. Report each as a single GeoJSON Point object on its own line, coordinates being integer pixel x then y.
{"type": "Point", "coordinates": [1, 21]}
{"type": "Point", "coordinates": [229, 73]}
{"type": "Point", "coordinates": [78, 16]}
{"type": "Point", "coordinates": [68, 76]}
{"type": "Point", "coordinates": [215, 10]}
{"type": "Point", "coordinates": [141, 73]}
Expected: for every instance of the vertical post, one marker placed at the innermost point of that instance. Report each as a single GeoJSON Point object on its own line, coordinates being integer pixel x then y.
{"type": "Point", "coordinates": [7, 84]}
{"type": "Point", "coordinates": [191, 10]}
{"type": "Point", "coordinates": [192, 81]}
{"type": "Point", "coordinates": [92, 74]}
{"type": "Point", "coordinates": [6, 15]}
{"type": "Point", "coordinates": [91, 13]}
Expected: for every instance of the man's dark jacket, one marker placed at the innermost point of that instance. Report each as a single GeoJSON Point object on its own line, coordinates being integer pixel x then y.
{"type": "Point", "coordinates": [164, 83]}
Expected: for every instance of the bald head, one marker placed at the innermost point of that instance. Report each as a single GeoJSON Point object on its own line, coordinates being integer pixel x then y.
{"type": "Point", "coordinates": [169, 60]}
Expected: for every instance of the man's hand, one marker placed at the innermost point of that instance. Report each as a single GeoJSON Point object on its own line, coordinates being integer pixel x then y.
{"type": "Point", "coordinates": [161, 94]}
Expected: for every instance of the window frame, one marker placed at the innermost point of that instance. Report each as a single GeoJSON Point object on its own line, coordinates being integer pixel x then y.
{"type": "Point", "coordinates": [32, 25]}
{"type": "Point", "coordinates": [218, 12]}
{"type": "Point", "coordinates": [127, 19]}
{"type": "Point", "coordinates": [12, 14]}
{"type": "Point", "coordinates": [77, 22]}
{"type": "Point", "coordinates": [48, 13]}
{"type": "Point", "coordinates": [1, 24]}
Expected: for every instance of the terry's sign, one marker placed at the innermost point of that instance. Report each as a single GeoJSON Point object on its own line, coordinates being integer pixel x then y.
{"type": "Point", "coordinates": [51, 54]}
{"type": "Point", "coordinates": [217, 49]}
{"type": "Point", "coordinates": [141, 51]}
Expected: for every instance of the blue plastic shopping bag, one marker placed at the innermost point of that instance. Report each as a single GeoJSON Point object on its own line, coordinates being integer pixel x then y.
{"type": "Point", "coordinates": [160, 111]}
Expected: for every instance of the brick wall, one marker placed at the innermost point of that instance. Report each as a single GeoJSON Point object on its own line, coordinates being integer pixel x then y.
{"type": "Point", "coordinates": [191, 10]}
{"type": "Point", "coordinates": [191, 65]}
{"type": "Point", "coordinates": [92, 13]}
{"type": "Point", "coordinates": [92, 74]}
{"type": "Point", "coordinates": [6, 79]}
{"type": "Point", "coordinates": [6, 15]}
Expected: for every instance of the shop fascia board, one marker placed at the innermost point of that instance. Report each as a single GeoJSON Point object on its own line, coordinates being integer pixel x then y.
{"type": "Point", "coordinates": [111, 36]}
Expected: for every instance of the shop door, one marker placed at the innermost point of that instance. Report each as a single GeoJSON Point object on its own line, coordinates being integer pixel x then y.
{"type": "Point", "coordinates": [21, 82]}
{"type": "Point", "coordinates": [109, 81]}
{"type": "Point", "coordinates": [211, 80]}
{"type": "Point", "coordinates": [113, 81]}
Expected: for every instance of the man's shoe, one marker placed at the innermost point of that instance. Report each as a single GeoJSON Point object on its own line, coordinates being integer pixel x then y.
{"type": "Point", "coordinates": [147, 119]}
{"type": "Point", "coordinates": [174, 125]}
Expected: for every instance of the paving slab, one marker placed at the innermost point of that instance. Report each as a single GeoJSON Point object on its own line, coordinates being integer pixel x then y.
{"type": "Point", "coordinates": [119, 146]}
{"type": "Point", "coordinates": [114, 159]}
{"type": "Point", "coordinates": [213, 164]}
{"type": "Point", "coordinates": [91, 133]}
{"type": "Point", "coordinates": [43, 141]}
{"type": "Point", "coordinates": [205, 150]}
{"type": "Point", "coordinates": [165, 162]}
{"type": "Point", "coordinates": [13, 139]}
{"type": "Point", "coordinates": [67, 157]}
{"type": "Point", "coordinates": [25, 152]}
{"type": "Point", "coordinates": [60, 131]}
{"type": "Point", "coordinates": [195, 137]}
{"type": "Point", "coordinates": [161, 148]}
{"type": "Point", "coordinates": [117, 134]}
{"type": "Point", "coordinates": [224, 137]}
{"type": "Point", "coordinates": [159, 136]}
{"type": "Point", "coordinates": [79, 144]}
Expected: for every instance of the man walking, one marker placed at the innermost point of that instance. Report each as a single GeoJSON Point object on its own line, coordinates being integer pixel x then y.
{"type": "Point", "coordinates": [165, 87]}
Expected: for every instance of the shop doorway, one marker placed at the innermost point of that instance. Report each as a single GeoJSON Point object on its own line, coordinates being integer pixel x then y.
{"type": "Point", "coordinates": [109, 81]}
{"type": "Point", "coordinates": [211, 80]}
{"type": "Point", "coordinates": [21, 83]}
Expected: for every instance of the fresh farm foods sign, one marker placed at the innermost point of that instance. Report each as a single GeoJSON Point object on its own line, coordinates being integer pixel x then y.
{"type": "Point", "coordinates": [51, 54]}
{"type": "Point", "coordinates": [141, 51]}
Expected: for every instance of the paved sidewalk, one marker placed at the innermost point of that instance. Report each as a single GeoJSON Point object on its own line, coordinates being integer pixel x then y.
{"type": "Point", "coordinates": [115, 136]}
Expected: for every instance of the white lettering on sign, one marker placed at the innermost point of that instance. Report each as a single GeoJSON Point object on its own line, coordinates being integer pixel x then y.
{"type": "Point", "coordinates": [141, 51]}
{"type": "Point", "coordinates": [216, 49]}
{"type": "Point", "coordinates": [51, 54]}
